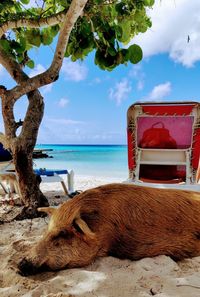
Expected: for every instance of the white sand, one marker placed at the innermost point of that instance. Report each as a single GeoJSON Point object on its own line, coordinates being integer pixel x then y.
{"type": "Point", "coordinates": [106, 277]}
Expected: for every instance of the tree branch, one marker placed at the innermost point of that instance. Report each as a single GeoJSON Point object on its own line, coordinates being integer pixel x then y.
{"type": "Point", "coordinates": [8, 116]}
{"type": "Point", "coordinates": [12, 67]}
{"type": "Point", "coordinates": [33, 23]}
{"type": "Point", "coordinates": [51, 74]}
{"type": "Point", "coordinates": [35, 99]}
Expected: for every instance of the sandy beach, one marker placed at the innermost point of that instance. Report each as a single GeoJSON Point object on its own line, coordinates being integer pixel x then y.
{"type": "Point", "coordinates": [106, 277]}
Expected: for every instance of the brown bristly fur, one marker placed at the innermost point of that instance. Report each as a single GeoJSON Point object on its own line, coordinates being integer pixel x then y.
{"type": "Point", "coordinates": [125, 221]}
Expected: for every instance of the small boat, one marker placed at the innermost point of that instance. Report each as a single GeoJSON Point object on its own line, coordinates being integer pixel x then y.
{"type": "Point", "coordinates": [41, 153]}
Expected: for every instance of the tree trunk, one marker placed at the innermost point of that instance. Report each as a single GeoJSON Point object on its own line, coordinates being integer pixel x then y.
{"type": "Point", "coordinates": [22, 147]}
{"type": "Point", "coordinates": [31, 195]}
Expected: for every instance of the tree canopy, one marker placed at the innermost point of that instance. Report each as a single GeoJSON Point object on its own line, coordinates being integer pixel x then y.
{"type": "Point", "coordinates": [106, 26]}
{"type": "Point", "coordinates": [76, 27]}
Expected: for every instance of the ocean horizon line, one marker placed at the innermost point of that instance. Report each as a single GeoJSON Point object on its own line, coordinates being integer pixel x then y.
{"type": "Point", "coordinates": [51, 144]}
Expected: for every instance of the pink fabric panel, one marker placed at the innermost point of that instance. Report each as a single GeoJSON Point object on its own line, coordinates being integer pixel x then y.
{"type": "Point", "coordinates": [180, 128]}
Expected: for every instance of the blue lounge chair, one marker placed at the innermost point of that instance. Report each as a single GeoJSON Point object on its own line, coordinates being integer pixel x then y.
{"type": "Point", "coordinates": [7, 170]}
{"type": "Point", "coordinates": [48, 176]}
{"type": "Point", "coordinates": [51, 176]}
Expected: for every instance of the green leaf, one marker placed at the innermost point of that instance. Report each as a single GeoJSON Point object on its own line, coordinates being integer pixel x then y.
{"type": "Point", "coordinates": [126, 31]}
{"type": "Point", "coordinates": [18, 47]}
{"type": "Point", "coordinates": [112, 51]}
{"type": "Point", "coordinates": [109, 34]}
{"type": "Point", "coordinates": [105, 61]}
{"type": "Point", "coordinates": [135, 53]}
{"type": "Point", "coordinates": [84, 43]}
{"type": "Point", "coordinates": [142, 27]}
{"type": "Point", "coordinates": [149, 2]}
{"type": "Point", "coordinates": [46, 36]}
{"type": "Point", "coordinates": [121, 8]}
{"type": "Point", "coordinates": [69, 49]}
{"type": "Point", "coordinates": [33, 37]}
{"type": "Point", "coordinates": [97, 1]}
{"type": "Point", "coordinates": [30, 64]}
{"type": "Point", "coordinates": [139, 16]}
{"type": "Point", "coordinates": [25, 1]}
{"type": "Point", "coordinates": [5, 44]}
{"type": "Point", "coordinates": [124, 53]}
{"type": "Point", "coordinates": [54, 30]}
{"type": "Point", "coordinates": [20, 58]}
{"type": "Point", "coordinates": [63, 3]}
{"type": "Point", "coordinates": [22, 42]}
{"type": "Point", "coordinates": [36, 40]}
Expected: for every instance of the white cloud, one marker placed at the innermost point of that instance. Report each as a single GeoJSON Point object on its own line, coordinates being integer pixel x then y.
{"type": "Point", "coordinates": [159, 92]}
{"type": "Point", "coordinates": [37, 70]}
{"type": "Point", "coordinates": [77, 132]}
{"type": "Point", "coordinates": [60, 130]}
{"type": "Point", "coordinates": [120, 91]}
{"type": "Point", "coordinates": [75, 71]}
{"type": "Point", "coordinates": [63, 102]}
{"type": "Point", "coordinates": [64, 122]}
{"type": "Point", "coordinates": [172, 22]}
{"type": "Point", "coordinates": [95, 81]}
{"type": "Point", "coordinates": [140, 85]}
{"type": "Point", "coordinates": [139, 75]}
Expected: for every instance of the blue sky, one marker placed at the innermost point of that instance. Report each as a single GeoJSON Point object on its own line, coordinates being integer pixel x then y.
{"type": "Point", "coordinates": [88, 106]}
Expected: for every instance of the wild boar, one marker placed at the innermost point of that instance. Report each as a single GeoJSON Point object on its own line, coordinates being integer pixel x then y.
{"type": "Point", "coordinates": [120, 220]}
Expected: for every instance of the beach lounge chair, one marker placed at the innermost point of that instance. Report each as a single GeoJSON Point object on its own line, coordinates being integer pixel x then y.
{"type": "Point", "coordinates": [164, 144]}
{"type": "Point", "coordinates": [9, 180]}
{"type": "Point", "coordinates": [51, 176]}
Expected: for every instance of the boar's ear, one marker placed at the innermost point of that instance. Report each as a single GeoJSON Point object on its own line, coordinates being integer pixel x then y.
{"type": "Point", "coordinates": [82, 227]}
{"type": "Point", "coordinates": [48, 210]}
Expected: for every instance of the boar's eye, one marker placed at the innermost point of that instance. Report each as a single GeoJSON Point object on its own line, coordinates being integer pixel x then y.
{"type": "Point", "coordinates": [63, 234]}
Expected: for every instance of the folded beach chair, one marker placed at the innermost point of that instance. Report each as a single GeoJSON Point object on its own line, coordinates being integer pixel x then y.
{"type": "Point", "coordinates": [8, 178]}
{"type": "Point", "coordinates": [164, 144]}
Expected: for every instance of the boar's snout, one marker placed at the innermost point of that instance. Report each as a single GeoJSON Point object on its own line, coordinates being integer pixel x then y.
{"type": "Point", "coordinates": [26, 267]}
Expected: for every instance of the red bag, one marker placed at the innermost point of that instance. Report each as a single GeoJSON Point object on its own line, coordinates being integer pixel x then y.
{"type": "Point", "coordinates": [157, 137]}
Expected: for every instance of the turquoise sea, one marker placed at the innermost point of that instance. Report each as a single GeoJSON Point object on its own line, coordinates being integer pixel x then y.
{"type": "Point", "coordinates": [90, 160]}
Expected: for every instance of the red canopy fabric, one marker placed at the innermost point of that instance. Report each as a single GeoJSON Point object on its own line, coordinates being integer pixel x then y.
{"type": "Point", "coordinates": [168, 109]}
